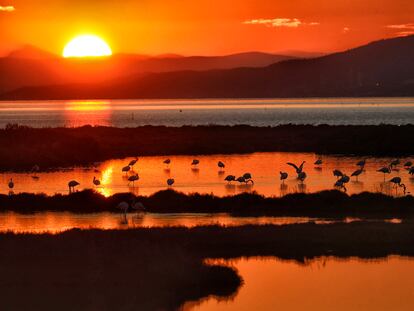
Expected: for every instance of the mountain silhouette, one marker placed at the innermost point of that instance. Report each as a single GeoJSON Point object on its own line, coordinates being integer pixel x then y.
{"type": "Point", "coordinates": [381, 68]}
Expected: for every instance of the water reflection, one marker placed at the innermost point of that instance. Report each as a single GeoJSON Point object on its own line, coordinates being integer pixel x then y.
{"type": "Point", "coordinates": [207, 178]}
{"type": "Point", "coordinates": [320, 284]}
{"type": "Point", "coordinates": [60, 221]}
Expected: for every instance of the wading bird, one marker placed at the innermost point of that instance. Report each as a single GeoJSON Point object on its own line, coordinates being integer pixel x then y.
{"type": "Point", "coordinates": [220, 165]}
{"type": "Point", "coordinates": [133, 179]}
{"type": "Point", "coordinates": [344, 179]}
{"type": "Point", "coordinates": [302, 176]}
{"type": "Point", "coordinates": [338, 173]}
{"type": "Point", "coordinates": [133, 162]}
{"type": "Point", "coordinates": [126, 169]}
{"type": "Point", "coordinates": [195, 162]}
{"type": "Point", "coordinates": [394, 163]}
{"type": "Point", "coordinates": [397, 183]}
{"type": "Point", "coordinates": [361, 163]}
{"type": "Point", "coordinates": [358, 172]}
{"type": "Point", "coordinates": [299, 168]}
{"type": "Point", "coordinates": [230, 178]}
{"type": "Point", "coordinates": [411, 171]}
{"type": "Point", "coordinates": [167, 161]}
{"type": "Point", "coordinates": [123, 206]}
{"type": "Point", "coordinates": [11, 184]}
{"type": "Point", "coordinates": [283, 176]}
{"type": "Point", "coordinates": [72, 184]}
{"type": "Point", "coordinates": [340, 184]}
{"type": "Point", "coordinates": [385, 170]}
{"type": "Point", "coordinates": [170, 182]}
{"type": "Point", "coordinates": [318, 162]}
{"type": "Point", "coordinates": [96, 181]}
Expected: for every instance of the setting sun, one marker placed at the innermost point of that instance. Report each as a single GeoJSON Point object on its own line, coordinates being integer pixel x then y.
{"type": "Point", "coordinates": [87, 46]}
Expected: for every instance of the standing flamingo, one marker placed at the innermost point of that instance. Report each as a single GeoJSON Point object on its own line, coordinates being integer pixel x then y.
{"type": "Point", "coordinates": [96, 181]}
{"type": "Point", "coordinates": [72, 184]}
{"type": "Point", "coordinates": [195, 162]}
{"type": "Point", "coordinates": [220, 165]}
{"type": "Point", "coordinates": [397, 183]}
{"type": "Point", "coordinates": [132, 179]}
{"type": "Point", "coordinates": [358, 172]}
{"type": "Point", "coordinates": [302, 176]}
{"type": "Point", "coordinates": [133, 162]}
{"type": "Point", "coordinates": [126, 169]}
{"type": "Point", "coordinates": [318, 162]}
{"type": "Point", "coordinates": [385, 170]}
{"type": "Point", "coordinates": [394, 163]}
{"type": "Point", "coordinates": [361, 163]}
{"type": "Point", "coordinates": [408, 164]}
{"type": "Point", "coordinates": [170, 182]}
{"type": "Point", "coordinates": [283, 176]}
{"type": "Point", "coordinates": [11, 184]}
{"type": "Point", "coordinates": [230, 178]}
{"type": "Point", "coordinates": [167, 161]}
{"type": "Point", "coordinates": [411, 171]}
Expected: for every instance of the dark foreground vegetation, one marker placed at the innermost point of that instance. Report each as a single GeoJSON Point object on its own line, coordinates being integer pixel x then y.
{"type": "Point", "coordinates": [23, 147]}
{"type": "Point", "coordinates": [161, 268]}
{"type": "Point", "coordinates": [329, 204]}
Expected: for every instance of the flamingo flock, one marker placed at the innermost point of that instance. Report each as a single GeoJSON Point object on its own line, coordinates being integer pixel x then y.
{"type": "Point", "coordinates": [342, 179]}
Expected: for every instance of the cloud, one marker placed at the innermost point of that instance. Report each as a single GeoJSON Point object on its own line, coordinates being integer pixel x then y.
{"type": "Point", "coordinates": [8, 8]}
{"type": "Point", "coordinates": [279, 22]}
{"type": "Point", "coordinates": [403, 29]}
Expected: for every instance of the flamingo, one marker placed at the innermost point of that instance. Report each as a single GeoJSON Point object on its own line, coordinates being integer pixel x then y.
{"type": "Point", "coordinates": [283, 176]}
{"type": "Point", "coordinates": [96, 181]}
{"type": "Point", "coordinates": [344, 179]}
{"type": "Point", "coordinates": [361, 163]}
{"type": "Point", "coordinates": [11, 184]}
{"type": "Point", "coordinates": [385, 170]}
{"type": "Point", "coordinates": [126, 169]}
{"type": "Point", "coordinates": [167, 161]}
{"type": "Point", "coordinates": [411, 171]}
{"type": "Point", "coordinates": [133, 162]}
{"type": "Point", "coordinates": [248, 177]}
{"type": "Point", "coordinates": [241, 179]}
{"type": "Point", "coordinates": [397, 182]}
{"type": "Point", "coordinates": [302, 176]}
{"type": "Point", "coordinates": [170, 181]}
{"type": "Point", "coordinates": [338, 173]}
{"type": "Point", "coordinates": [220, 165]}
{"type": "Point", "coordinates": [394, 163]}
{"type": "Point", "coordinates": [299, 168]}
{"type": "Point", "coordinates": [230, 178]}
{"type": "Point", "coordinates": [72, 184]}
{"type": "Point", "coordinates": [318, 162]}
{"type": "Point", "coordinates": [358, 172]}
{"type": "Point", "coordinates": [340, 184]}
{"type": "Point", "coordinates": [195, 162]}
{"type": "Point", "coordinates": [133, 178]}
{"type": "Point", "coordinates": [408, 164]}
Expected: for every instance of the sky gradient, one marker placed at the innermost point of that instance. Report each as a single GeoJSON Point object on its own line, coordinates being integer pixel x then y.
{"type": "Point", "coordinates": [204, 27]}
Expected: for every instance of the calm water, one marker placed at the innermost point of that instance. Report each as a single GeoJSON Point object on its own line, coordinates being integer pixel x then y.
{"type": "Point", "coordinates": [207, 178]}
{"type": "Point", "coordinates": [131, 113]}
{"type": "Point", "coordinates": [322, 284]}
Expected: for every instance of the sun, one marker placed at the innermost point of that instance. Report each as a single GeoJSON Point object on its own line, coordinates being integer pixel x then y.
{"type": "Point", "coordinates": [87, 46]}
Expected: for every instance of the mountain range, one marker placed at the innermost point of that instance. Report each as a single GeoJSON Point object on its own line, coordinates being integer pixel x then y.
{"type": "Point", "coordinates": [381, 68]}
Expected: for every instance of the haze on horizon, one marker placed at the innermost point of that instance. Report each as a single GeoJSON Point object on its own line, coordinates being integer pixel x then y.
{"type": "Point", "coordinates": [205, 27]}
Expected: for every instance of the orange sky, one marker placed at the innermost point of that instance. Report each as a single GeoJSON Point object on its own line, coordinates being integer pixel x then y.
{"type": "Point", "coordinates": [204, 26]}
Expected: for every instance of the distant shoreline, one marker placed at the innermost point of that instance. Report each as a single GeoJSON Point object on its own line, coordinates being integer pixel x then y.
{"type": "Point", "coordinates": [51, 148]}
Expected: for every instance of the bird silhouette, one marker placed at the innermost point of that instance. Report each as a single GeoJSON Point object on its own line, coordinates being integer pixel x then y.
{"type": "Point", "coordinates": [220, 165]}
{"type": "Point", "coordinates": [133, 162]}
{"type": "Point", "coordinates": [133, 179]}
{"type": "Point", "coordinates": [358, 172]}
{"type": "Point", "coordinates": [195, 162]}
{"type": "Point", "coordinates": [72, 184]}
{"type": "Point", "coordinates": [230, 178]}
{"type": "Point", "coordinates": [299, 168]}
{"type": "Point", "coordinates": [96, 181]}
{"type": "Point", "coordinates": [11, 184]}
{"type": "Point", "coordinates": [318, 162]}
{"type": "Point", "coordinates": [126, 169]}
{"type": "Point", "coordinates": [170, 181]}
{"type": "Point", "coordinates": [338, 173]}
{"type": "Point", "coordinates": [302, 176]}
{"type": "Point", "coordinates": [283, 176]}
{"type": "Point", "coordinates": [397, 183]}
